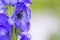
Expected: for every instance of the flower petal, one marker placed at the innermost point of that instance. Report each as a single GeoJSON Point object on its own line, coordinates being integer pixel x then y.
{"type": "Point", "coordinates": [25, 36]}
{"type": "Point", "coordinates": [4, 33]}
{"type": "Point", "coordinates": [6, 1]}
{"type": "Point", "coordinates": [4, 21]}
{"type": "Point", "coordinates": [21, 17]}
{"type": "Point", "coordinates": [5, 27]}
{"type": "Point", "coordinates": [13, 2]}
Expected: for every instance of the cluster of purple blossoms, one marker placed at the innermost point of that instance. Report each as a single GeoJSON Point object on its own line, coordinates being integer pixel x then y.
{"type": "Point", "coordinates": [20, 19]}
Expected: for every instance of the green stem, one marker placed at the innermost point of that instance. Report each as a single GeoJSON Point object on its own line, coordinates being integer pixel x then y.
{"type": "Point", "coordinates": [17, 32]}
{"type": "Point", "coordinates": [13, 34]}
{"type": "Point", "coordinates": [9, 10]}
{"type": "Point", "coordinates": [12, 9]}
{"type": "Point", "coordinates": [13, 31]}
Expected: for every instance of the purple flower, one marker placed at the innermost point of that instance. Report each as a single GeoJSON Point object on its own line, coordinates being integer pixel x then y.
{"type": "Point", "coordinates": [25, 36]}
{"type": "Point", "coordinates": [2, 9]}
{"type": "Point", "coordinates": [23, 10]}
{"type": "Point", "coordinates": [25, 1]}
{"type": "Point", "coordinates": [28, 1]}
{"type": "Point", "coordinates": [21, 17]}
{"type": "Point", "coordinates": [4, 35]}
{"type": "Point", "coordinates": [14, 2]}
{"type": "Point", "coordinates": [1, 5]}
{"type": "Point", "coordinates": [5, 1]}
{"type": "Point", "coordinates": [5, 27]}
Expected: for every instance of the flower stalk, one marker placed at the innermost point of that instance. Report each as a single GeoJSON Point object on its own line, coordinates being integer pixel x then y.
{"type": "Point", "coordinates": [9, 13]}
{"type": "Point", "coordinates": [13, 34]}
{"type": "Point", "coordinates": [14, 18]}
{"type": "Point", "coordinates": [17, 31]}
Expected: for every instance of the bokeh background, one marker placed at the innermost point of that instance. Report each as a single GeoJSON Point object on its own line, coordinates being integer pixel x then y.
{"type": "Point", "coordinates": [45, 20]}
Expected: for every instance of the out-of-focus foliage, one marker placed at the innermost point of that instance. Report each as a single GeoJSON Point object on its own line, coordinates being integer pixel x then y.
{"type": "Point", "coordinates": [55, 37]}
{"type": "Point", "coordinates": [54, 5]}
{"type": "Point", "coordinates": [38, 4]}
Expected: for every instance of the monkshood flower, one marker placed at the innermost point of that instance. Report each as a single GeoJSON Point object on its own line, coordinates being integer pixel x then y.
{"type": "Point", "coordinates": [5, 27]}
{"type": "Point", "coordinates": [2, 9]}
{"type": "Point", "coordinates": [21, 17]}
{"type": "Point", "coordinates": [13, 2]}
{"type": "Point", "coordinates": [1, 5]}
{"type": "Point", "coordinates": [25, 36]}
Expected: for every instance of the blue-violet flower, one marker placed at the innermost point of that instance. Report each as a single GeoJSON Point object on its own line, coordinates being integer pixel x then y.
{"type": "Point", "coordinates": [5, 27]}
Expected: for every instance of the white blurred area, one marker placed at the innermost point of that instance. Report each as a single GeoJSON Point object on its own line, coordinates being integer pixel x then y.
{"type": "Point", "coordinates": [43, 24]}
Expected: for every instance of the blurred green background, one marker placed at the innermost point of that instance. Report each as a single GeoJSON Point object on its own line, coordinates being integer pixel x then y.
{"type": "Point", "coordinates": [53, 5]}
{"type": "Point", "coordinates": [41, 4]}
